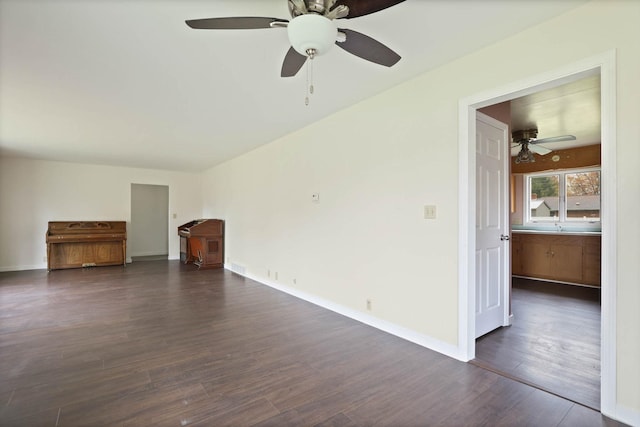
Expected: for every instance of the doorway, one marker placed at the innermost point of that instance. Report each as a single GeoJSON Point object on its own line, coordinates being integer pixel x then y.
{"type": "Point", "coordinates": [604, 65]}
{"type": "Point", "coordinates": [148, 237]}
{"type": "Point", "coordinates": [554, 341]}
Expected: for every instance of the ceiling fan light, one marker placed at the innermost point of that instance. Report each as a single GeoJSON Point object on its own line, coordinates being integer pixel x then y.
{"type": "Point", "coordinates": [525, 155]}
{"type": "Point", "coordinates": [312, 31]}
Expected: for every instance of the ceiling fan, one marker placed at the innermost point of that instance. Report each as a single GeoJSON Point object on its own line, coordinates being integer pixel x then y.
{"type": "Point", "coordinates": [312, 30]}
{"type": "Point", "coordinates": [528, 141]}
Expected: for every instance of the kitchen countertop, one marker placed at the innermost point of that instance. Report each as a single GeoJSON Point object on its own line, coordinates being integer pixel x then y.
{"type": "Point", "coordinates": [557, 233]}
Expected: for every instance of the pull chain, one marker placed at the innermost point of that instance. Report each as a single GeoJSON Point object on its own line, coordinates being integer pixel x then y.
{"type": "Point", "coordinates": [312, 54]}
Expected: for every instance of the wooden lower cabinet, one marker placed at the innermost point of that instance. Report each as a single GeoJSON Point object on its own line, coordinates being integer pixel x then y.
{"type": "Point", "coordinates": [559, 257]}
{"type": "Point", "coordinates": [535, 262]}
{"type": "Point", "coordinates": [592, 260]}
{"type": "Point", "coordinates": [516, 255]}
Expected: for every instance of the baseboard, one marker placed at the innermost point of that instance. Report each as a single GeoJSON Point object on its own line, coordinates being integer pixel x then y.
{"type": "Point", "coordinates": [42, 266]}
{"type": "Point", "coordinates": [161, 257]}
{"type": "Point", "coordinates": [626, 415]}
{"type": "Point", "coordinates": [383, 325]}
{"type": "Point", "coordinates": [148, 254]}
{"type": "Point", "coordinates": [559, 282]}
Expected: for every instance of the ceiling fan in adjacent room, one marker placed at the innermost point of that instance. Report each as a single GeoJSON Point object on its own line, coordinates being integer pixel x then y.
{"type": "Point", "coordinates": [313, 30]}
{"type": "Point", "coordinates": [527, 139]}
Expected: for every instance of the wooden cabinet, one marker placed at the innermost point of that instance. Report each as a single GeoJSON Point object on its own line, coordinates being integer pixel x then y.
{"type": "Point", "coordinates": [592, 260]}
{"type": "Point", "coordinates": [516, 255]}
{"type": "Point", "coordinates": [535, 254]}
{"type": "Point", "coordinates": [558, 257]}
{"type": "Point", "coordinates": [553, 257]}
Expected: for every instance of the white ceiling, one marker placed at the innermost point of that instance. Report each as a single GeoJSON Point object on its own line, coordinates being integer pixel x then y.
{"type": "Point", "coordinates": [570, 109]}
{"type": "Point", "coordinates": [128, 83]}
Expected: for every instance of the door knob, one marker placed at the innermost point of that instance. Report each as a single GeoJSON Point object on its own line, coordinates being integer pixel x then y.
{"type": "Point", "coordinates": [504, 237]}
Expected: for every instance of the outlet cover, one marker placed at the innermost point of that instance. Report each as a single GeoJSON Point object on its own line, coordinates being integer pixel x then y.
{"type": "Point", "coordinates": [429, 212]}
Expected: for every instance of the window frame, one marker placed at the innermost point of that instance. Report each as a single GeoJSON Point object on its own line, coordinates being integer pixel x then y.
{"type": "Point", "coordinates": [562, 221]}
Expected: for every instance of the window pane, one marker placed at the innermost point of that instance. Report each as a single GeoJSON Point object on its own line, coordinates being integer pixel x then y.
{"type": "Point", "coordinates": [583, 196]}
{"type": "Point", "coordinates": [544, 198]}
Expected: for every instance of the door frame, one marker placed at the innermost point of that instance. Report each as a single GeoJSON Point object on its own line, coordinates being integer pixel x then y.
{"type": "Point", "coordinates": [165, 209]}
{"type": "Point", "coordinates": [605, 65]}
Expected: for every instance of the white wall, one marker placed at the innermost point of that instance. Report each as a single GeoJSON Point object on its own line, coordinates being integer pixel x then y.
{"type": "Point", "coordinates": [377, 163]}
{"type": "Point", "coordinates": [33, 192]}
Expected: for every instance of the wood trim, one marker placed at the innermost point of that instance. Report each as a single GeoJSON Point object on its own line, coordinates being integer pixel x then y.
{"type": "Point", "coordinates": [512, 193]}
{"type": "Point", "coordinates": [579, 157]}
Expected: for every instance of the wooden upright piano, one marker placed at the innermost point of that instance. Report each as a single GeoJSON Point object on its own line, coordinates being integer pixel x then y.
{"type": "Point", "coordinates": [206, 234]}
{"type": "Point", "coordinates": [75, 244]}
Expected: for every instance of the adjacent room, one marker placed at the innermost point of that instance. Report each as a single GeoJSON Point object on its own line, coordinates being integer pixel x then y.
{"type": "Point", "coordinates": [271, 212]}
{"type": "Point", "coordinates": [553, 340]}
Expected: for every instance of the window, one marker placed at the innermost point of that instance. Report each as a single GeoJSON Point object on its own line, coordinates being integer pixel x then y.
{"type": "Point", "coordinates": [569, 197]}
{"type": "Point", "coordinates": [544, 200]}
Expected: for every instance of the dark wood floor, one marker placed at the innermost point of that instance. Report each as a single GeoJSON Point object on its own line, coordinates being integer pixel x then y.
{"type": "Point", "coordinates": [554, 342]}
{"type": "Point", "coordinates": [162, 344]}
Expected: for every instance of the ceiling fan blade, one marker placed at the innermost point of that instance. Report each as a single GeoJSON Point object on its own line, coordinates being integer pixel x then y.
{"type": "Point", "coordinates": [554, 139]}
{"type": "Point", "coordinates": [367, 48]}
{"type": "Point", "coordinates": [365, 7]}
{"type": "Point", "coordinates": [235, 23]}
{"type": "Point", "coordinates": [293, 61]}
{"type": "Point", "coordinates": [539, 149]}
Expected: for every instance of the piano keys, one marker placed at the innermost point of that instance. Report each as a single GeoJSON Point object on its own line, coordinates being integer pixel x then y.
{"type": "Point", "coordinates": [76, 244]}
{"type": "Point", "coordinates": [210, 234]}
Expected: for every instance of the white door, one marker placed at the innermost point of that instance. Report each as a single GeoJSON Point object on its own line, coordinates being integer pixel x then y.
{"type": "Point", "coordinates": [492, 228]}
